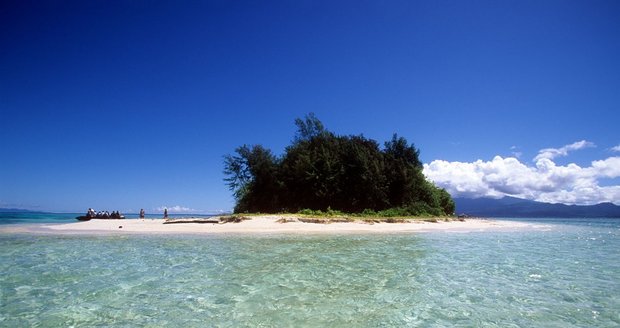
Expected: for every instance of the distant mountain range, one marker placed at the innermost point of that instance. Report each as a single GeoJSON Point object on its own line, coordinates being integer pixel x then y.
{"type": "Point", "coordinates": [516, 207]}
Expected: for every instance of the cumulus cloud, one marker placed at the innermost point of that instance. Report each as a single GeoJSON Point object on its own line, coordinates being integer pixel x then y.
{"type": "Point", "coordinates": [616, 149]}
{"type": "Point", "coordinates": [186, 210]}
{"type": "Point", "coordinates": [551, 153]}
{"type": "Point", "coordinates": [544, 181]}
{"type": "Point", "coordinates": [176, 209]}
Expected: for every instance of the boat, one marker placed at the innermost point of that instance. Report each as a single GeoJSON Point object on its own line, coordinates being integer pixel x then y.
{"type": "Point", "coordinates": [109, 217]}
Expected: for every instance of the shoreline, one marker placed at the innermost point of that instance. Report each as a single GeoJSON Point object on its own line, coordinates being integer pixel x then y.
{"type": "Point", "coordinates": [262, 225]}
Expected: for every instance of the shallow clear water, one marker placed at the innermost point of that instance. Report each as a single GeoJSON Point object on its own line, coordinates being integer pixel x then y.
{"type": "Point", "coordinates": [567, 276]}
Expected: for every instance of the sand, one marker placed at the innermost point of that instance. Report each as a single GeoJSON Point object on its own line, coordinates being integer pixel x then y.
{"type": "Point", "coordinates": [264, 225]}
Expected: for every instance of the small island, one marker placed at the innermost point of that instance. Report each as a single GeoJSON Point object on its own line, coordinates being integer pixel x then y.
{"type": "Point", "coordinates": [322, 172]}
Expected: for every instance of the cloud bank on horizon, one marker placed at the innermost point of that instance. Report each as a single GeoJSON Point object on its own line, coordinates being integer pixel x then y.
{"type": "Point", "coordinates": [185, 210]}
{"type": "Point", "coordinates": [545, 181]}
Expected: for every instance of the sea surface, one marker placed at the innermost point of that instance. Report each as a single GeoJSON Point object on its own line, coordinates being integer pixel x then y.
{"type": "Point", "coordinates": [42, 217]}
{"type": "Point", "coordinates": [564, 275]}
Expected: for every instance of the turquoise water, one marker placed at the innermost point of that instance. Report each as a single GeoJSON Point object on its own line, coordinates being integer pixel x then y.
{"type": "Point", "coordinates": [36, 217]}
{"type": "Point", "coordinates": [566, 276]}
{"type": "Point", "coordinates": [42, 217]}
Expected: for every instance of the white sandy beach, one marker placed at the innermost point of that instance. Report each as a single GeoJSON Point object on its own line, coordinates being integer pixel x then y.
{"type": "Point", "coordinates": [263, 225]}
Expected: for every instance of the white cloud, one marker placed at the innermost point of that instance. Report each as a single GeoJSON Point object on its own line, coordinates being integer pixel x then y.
{"type": "Point", "coordinates": [187, 210]}
{"type": "Point", "coordinates": [616, 148]}
{"type": "Point", "coordinates": [515, 151]}
{"type": "Point", "coordinates": [545, 181]}
{"type": "Point", "coordinates": [608, 168]}
{"type": "Point", "coordinates": [176, 209]}
{"type": "Point", "coordinates": [551, 153]}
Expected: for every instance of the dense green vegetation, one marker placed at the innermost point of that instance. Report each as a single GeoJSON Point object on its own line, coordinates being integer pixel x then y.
{"type": "Point", "coordinates": [324, 171]}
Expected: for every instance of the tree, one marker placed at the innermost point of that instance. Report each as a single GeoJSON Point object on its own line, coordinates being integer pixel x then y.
{"type": "Point", "coordinates": [321, 170]}
{"type": "Point", "coordinates": [253, 178]}
{"type": "Point", "coordinates": [399, 149]}
{"type": "Point", "coordinates": [312, 171]}
{"type": "Point", "coordinates": [238, 172]}
{"type": "Point", "coordinates": [446, 202]}
{"type": "Point", "coordinates": [308, 128]}
{"type": "Point", "coordinates": [364, 181]}
{"type": "Point", "coordinates": [406, 183]}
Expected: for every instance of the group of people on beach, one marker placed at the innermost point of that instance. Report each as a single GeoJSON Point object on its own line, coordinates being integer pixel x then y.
{"type": "Point", "coordinates": [103, 214]}
{"type": "Point", "coordinates": [142, 213]}
{"type": "Point", "coordinates": [91, 213]}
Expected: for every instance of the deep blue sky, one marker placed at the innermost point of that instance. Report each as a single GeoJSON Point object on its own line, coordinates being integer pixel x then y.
{"type": "Point", "coordinates": [132, 104]}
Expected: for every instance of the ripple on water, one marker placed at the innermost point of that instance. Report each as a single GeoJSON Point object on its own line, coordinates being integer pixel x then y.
{"type": "Point", "coordinates": [566, 277]}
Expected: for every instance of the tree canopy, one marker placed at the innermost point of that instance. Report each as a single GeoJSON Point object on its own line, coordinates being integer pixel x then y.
{"type": "Point", "coordinates": [321, 170]}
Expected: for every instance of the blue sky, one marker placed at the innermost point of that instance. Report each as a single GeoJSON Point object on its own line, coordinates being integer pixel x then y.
{"type": "Point", "coordinates": [132, 104]}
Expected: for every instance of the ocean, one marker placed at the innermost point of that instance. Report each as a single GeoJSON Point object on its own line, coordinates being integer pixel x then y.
{"type": "Point", "coordinates": [566, 275]}
{"type": "Point", "coordinates": [42, 217]}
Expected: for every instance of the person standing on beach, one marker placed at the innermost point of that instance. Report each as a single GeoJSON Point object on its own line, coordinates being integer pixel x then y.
{"type": "Point", "coordinates": [165, 213]}
{"type": "Point", "coordinates": [142, 213]}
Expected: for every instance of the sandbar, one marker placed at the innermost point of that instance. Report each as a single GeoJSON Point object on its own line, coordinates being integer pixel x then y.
{"type": "Point", "coordinates": [266, 224]}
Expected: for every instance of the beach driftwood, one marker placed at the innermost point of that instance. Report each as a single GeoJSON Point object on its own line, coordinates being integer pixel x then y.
{"type": "Point", "coordinates": [192, 220]}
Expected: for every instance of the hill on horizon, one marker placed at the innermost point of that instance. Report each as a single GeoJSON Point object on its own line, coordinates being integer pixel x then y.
{"type": "Point", "coordinates": [517, 207]}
